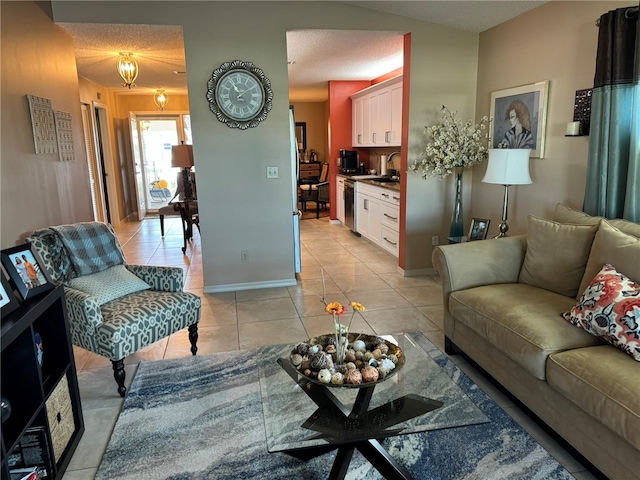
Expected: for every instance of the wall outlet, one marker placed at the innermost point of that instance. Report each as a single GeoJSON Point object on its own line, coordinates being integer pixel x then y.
{"type": "Point", "coordinates": [272, 172]}
{"type": "Point", "coordinates": [435, 241]}
{"type": "Point", "coordinates": [244, 256]}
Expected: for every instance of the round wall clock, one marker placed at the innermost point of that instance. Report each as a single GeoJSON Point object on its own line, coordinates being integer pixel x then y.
{"type": "Point", "coordinates": [239, 94]}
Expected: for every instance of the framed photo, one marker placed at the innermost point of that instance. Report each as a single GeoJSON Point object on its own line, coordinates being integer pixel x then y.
{"type": "Point", "coordinates": [519, 118]}
{"type": "Point", "coordinates": [26, 270]}
{"type": "Point", "coordinates": [479, 229]}
{"type": "Point", "coordinates": [8, 301]}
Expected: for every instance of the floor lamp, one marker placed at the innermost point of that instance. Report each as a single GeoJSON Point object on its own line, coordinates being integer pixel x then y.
{"type": "Point", "coordinates": [507, 167]}
{"type": "Point", "coordinates": [182, 156]}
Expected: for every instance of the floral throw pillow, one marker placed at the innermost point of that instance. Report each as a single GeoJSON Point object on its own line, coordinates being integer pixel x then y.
{"type": "Point", "coordinates": [609, 308]}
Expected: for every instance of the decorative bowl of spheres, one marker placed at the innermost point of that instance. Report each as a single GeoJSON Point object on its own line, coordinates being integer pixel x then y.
{"type": "Point", "coordinates": [352, 360]}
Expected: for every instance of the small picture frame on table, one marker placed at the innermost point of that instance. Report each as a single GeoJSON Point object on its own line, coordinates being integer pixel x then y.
{"type": "Point", "coordinates": [26, 270]}
{"type": "Point", "coordinates": [8, 301]}
{"type": "Point", "coordinates": [479, 229]}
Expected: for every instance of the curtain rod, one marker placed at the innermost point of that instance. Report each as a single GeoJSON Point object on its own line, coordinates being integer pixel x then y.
{"type": "Point", "coordinates": [628, 13]}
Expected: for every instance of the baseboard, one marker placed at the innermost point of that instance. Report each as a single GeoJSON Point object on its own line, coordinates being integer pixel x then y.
{"type": "Point", "coordinates": [417, 272]}
{"type": "Point", "coordinates": [231, 287]}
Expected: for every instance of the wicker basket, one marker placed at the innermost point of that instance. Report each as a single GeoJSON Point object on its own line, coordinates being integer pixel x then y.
{"type": "Point", "coordinates": [60, 417]}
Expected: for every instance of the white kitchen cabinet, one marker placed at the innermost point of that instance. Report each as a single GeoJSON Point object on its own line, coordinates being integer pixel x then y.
{"type": "Point", "coordinates": [378, 215]}
{"type": "Point", "coordinates": [377, 115]}
{"type": "Point", "coordinates": [340, 199]}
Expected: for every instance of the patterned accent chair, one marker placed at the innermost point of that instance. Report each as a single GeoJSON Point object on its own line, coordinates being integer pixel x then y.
{"type": "Point", "coordinates": [149, 303]}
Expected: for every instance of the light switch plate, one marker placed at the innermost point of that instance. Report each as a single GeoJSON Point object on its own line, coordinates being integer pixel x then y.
{"type": "Point", "coordinates": [272, 172]}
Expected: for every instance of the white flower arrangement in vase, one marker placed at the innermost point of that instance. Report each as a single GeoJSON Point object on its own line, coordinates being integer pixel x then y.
{"type": "Point", "coordinates": [453, 145]}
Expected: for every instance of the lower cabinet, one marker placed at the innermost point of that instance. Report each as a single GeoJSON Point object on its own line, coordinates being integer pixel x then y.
{"type": "Point", "coordinates": [378, 215]}
{"type": "Point", "coordinates": [41, 413]}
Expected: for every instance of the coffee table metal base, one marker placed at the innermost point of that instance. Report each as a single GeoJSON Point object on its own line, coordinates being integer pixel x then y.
{"type": "Point", "coordinates": [360, 428]}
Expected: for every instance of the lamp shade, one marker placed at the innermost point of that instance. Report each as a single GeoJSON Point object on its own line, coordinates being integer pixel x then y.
{"type": "Point", "coordinates": [508, 166]}
{"type": "Point", "coordinates": [182, 156]}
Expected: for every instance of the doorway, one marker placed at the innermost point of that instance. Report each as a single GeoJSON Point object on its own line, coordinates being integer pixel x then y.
{"type": "Point", "coordinates": [152, 138]}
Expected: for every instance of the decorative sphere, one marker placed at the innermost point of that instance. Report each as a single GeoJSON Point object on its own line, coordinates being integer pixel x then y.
{"type": "Point", "coordinates": [318, 361]}
{"type": "Point", "coordinates": [369, 374]}
{"type": "Point", "coordinates": [353, 377]}
{"type": "Point", "coordinates": [367, 356]}
{"type": "Point", "coordinates": [351, 366]}
{"type": "Point", "coordinates": [302, 348]}
{"type": "Point", "coordinates": [393, 358]}
{"type": "Point", "coordinates": [359, 355]}
{"type": "Point", "coordinates": [296, 359]}
{"type": "Point", "coordinates": [324, 376]}
{"type": "Point", "coordinates": [359, 346]}
{"type": "Point", "coordinates": [350, 357]}
{"type": "Point", "coordinates": [330, 349]}
{"type": "Point", "coordinates": [382, 372]}
{"type": "Point", "coordinates": [383, 347]}
{"type": "Point", "coordinates": [376, 354]}
{"type": "Point", "coordinates": [313, 349]}
{"type": "Point", "coordinates": [337, 378]}
{"type": "Point", "coordinates": [373, 362]}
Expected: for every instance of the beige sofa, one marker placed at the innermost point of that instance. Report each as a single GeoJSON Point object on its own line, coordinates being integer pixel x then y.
{"type": "Point", "coordinates": [503, 306]}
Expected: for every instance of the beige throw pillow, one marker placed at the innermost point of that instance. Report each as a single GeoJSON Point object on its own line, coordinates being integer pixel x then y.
{"type": "Point", "coordinates": [613, 247]}
{"type": "Point", "coordinates": [556, 255]}
{"type": "Point", "coordinates": [564, 214]}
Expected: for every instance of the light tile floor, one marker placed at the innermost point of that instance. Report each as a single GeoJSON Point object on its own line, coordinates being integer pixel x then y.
{"type": "Point", "coordinates": [355, 270]}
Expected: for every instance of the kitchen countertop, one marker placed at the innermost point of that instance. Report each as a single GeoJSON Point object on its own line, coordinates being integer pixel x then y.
{"type": "Point", "coordinates": [395, 186]}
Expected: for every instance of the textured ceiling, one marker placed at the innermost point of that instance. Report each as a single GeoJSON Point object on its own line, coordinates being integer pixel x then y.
{"type": "Point", "coordinates": [317, 55]}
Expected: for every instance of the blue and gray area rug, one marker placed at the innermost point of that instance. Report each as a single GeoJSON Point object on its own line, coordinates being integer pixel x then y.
{"type": "Point", "coordinates": [201, 418]}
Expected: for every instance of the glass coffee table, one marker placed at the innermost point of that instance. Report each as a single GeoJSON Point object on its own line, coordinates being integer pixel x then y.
{"type": "Point", "coordinates": [304, 419]}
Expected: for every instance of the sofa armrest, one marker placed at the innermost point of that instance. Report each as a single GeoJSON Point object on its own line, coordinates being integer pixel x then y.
{"type": "Point", "coordinates": [85, 317]}
{"type": "Point", "coordinates": [161, 279]}
{"type": "Point", "coordinates": [472, 264]}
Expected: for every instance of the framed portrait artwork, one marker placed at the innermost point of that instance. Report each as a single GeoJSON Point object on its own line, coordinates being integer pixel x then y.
{"type": "Point", "coordinates": [479, 229]}
{"type": "Point", "coordinates": [8, 301]}
{"type": "Point", "coordinates": [519, 117]}
{"type": "Point", "coordinates": [26, 270]}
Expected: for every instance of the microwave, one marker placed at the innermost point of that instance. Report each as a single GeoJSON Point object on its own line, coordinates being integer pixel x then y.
{"type": "Point", "coordinates": [348, 161]}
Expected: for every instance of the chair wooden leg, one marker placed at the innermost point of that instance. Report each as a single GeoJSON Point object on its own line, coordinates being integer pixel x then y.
{"type": "Point", "coordinates": [193, 337]}
{"type": "Point", "coordinates": [118, 374]}
{"type": "Point", "coordinates": [162, 225]}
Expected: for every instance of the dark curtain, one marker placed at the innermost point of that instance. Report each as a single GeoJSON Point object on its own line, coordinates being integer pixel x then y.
{"type": "Point", "coordinates": [613, 169]}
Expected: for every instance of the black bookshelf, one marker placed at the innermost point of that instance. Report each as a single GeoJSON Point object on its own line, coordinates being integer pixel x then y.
{"type": "Point", "coordinates": [37, 391]}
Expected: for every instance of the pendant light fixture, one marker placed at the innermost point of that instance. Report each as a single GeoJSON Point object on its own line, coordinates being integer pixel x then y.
{"type": "Point", "coordinates": [128, 69]}
{"type": "Point", "coordinates": [160, 99]}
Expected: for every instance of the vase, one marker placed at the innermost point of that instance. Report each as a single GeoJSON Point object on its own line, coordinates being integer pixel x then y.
{"type": "Point", "coordinates": [457, 223]}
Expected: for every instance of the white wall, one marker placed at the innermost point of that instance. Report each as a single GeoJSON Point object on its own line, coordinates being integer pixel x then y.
{"type": "Point", "coordinates": [38, 190]}
{"type": "Point", "coordinates": [555, 42]}
{"type": "Point", "coordinates": [240, 209]}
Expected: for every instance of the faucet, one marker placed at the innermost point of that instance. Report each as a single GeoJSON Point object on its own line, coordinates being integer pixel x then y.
{"type": "Point", "coordinates": [393, 154]}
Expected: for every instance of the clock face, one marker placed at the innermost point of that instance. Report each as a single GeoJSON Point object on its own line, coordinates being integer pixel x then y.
{"type": "Point", "coordinates": [239, 94]}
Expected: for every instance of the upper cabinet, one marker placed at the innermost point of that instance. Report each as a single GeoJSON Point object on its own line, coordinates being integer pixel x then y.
{"type": "Point", "coordinates": [377, 115]}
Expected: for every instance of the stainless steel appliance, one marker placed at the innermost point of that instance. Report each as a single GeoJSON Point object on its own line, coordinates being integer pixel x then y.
{"type": "Point", "coordinates": [349, 161]}
{"type": "Point", "coordinates": [349, 205]}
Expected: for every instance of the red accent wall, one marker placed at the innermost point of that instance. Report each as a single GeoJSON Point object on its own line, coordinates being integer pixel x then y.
{"type": "Point", "coordinates": [340, 129]}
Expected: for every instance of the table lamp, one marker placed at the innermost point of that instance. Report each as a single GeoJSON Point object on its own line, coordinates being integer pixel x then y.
{"type": "Point", "coordinates": [182, 157]}
{"type": "Point", "coordinates": [507, 167]}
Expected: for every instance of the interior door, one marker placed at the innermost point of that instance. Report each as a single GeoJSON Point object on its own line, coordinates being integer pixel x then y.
{"type": "Point", "coordinates": [138, 180]}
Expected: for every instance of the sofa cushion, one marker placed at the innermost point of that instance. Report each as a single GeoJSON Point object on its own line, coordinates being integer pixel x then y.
{"type": "Point", "coordinates": [614, 247]}
{"type": "Point", "coordinates": [564, 214]}
{"type": "Point", "coordinates": [107, 285]}
{"type": "Point", "coordinates": [600, 380]}
{"type": "Point", "coordinates": [556, 255]}
{"type": "Point", "coordinates": [522, 321]}
{"type": "Point", "coordinates": [609, 308]}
